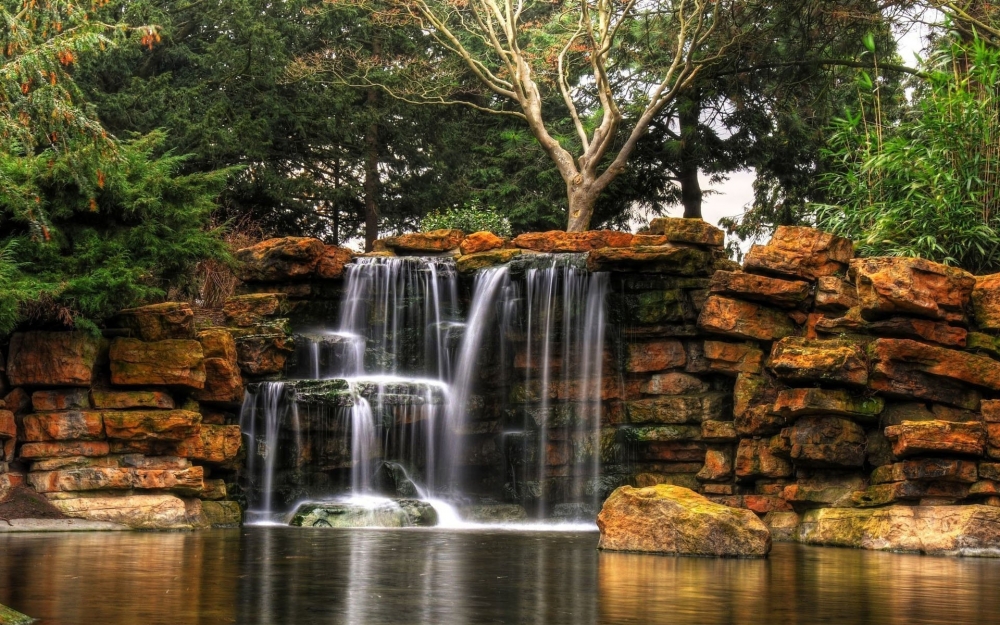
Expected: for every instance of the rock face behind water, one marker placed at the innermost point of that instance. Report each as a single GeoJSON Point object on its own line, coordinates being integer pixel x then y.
{"type": "Point", "coordinates": [676, 521]}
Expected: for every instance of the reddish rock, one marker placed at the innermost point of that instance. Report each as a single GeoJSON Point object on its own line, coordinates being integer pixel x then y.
{"type": "Point", "coordinates": [831, 442]}
{"type": "Point", "coordinates": [890, 286]}
{"type": "Point", "coordinates": [800, 252]}
{"type": "Point", "coordinates": [63, 399]}
{"type": "Point", "coordinates": [52, 358]}
{"type": "Point", "coordinates": [425, 242]}
{"type": "Point", "coordinates": [674, 451]}
{"type": "Point", "coordinates": [678, 261]}
{"type": "Point", "coordinates": [799, 402]}
{"type": "Point", "coordinates": [281, 259]}
{"type": "Point", "coordinates": [332, 264]}
{"type": "Point", "coordinates": [172, 362]}
{"type": "Point", "coordinates": [249, 310]}
{"type": "Point", "coordinates": [991, 410]}
{"type": "Point", "coordinates": [830, 360]}
{"type": "Point", "coordinates": [925, 329]}
{"type": "Point", "coordinates": [223, 382]}
{"type": "Point", "coordinates": [905, 381]}
{"type": "Point", "coordinates": [922, 437]}
{"type": "Point", "coordinates": [749, 286]}
{"type": "Point", "coordinates": [169, 320]}
{"type": "Point", "coordinates": [986, 301]}
{"type": "Point", "coordinates": [763, 504]}
{"type": "Point", "coordinates": [480, 242]}
{"type": "Point", "coordinates": [17, 401]}
{"type": "Point", "coordinates": [63, 426]}
{"type": "Point", "coordinates": [938, 361]}
{"type": "Point", "coordinates": [989, 471]}
{"type": "Point", "coordinates": [263, 354]}
{"type": "Point", "coordinates": [834, 294]}
{"type": "Point", "coordinates": [680, 230]}
{"type": "Point", "coordinates": [718, 431]}
{"type": "Point", "coordinates": [744, 320]}
{"type": "Point", "coordinates": [830, 491]}
{"type": "Point", "coordinates": [8, 426]}
{"type": "Point", "coordinates": [926, 469]}
{"type": "Point", "coordinates": [188, 480]}
{"type": "Point", "coordinates": [674, 383]}
{"type": "Point", "coordinates": [155, 425]}
{"type": "Point", "coordinates": [65, 449]}
{"type": "Point", "coordinates": [752, 389]}
{"type": "Point", "coordinates": [756, 459]}
{"type": "Point", "coordinates": [117, 400]}
{"type": "Point", "coordinates": [560, 241]}
{"type": "Point", "coordinates": [655, 356]}
{"type": "Point", "coordinates": [759, 421]}
{"type": "Point", "coordinates": [677, 408]}
{"type": "Point", "coordinates": [217, 444]}
{"type": "Point", "coordinates": [732, 358]}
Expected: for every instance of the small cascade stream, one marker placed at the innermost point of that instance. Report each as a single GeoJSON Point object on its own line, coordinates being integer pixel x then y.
{"type": "Point", "coordinates": [404, 395]}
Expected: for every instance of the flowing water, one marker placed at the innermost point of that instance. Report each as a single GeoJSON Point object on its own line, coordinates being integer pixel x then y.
{"type": "Point", "coordinates": [279, 575]}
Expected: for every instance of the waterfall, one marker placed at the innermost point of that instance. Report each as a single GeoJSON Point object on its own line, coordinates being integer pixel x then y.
{"type": "Point", "coordinates": [265, 406]}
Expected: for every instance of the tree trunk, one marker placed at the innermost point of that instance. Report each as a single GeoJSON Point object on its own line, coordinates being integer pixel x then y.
{"type": "Point", "coordinates": [691, 195]}
{"type": "Point", "coordinates": [371, 166]}
{"type": "Point", "coordinates": [581, 206]}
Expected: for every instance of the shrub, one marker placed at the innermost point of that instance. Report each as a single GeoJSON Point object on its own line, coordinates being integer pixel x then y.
{"type": "Point", "coordinates": [468, 219]}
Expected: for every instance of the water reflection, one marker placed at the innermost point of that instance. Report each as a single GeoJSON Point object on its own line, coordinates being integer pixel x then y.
{"type": "Point", "coordinates": [302, 576]}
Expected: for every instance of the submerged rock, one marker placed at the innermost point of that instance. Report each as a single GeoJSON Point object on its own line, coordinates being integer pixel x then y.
{"type": "Point", "coordinates": [677, 521]}
{"type": "Point", "coordinates": [379, 513]}
{"type": "Point", "coordinates": [493, 513]}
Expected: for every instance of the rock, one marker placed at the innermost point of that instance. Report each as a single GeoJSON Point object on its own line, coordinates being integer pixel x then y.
{"type": "Point", "coordinates": [222, 513]}
{"type": "Point", "coordinates": [799, 402]}
{"type": "Point", "coordinates": [172, 362]}
{"type": "Point", "coordinates": [910, 490]}
{"type": "Point", "coordinates": [169, 320]}
{"type": "Point", "coordinates": [117, 400]}
{"type": "Point", "coordinates": [64, 449]}
{"type": "Point", "coordinates": [147, 511]}
{"type": "Point", "coordinates": [677, 408]}
{"type": "Point", "coordinates": [991, 410]}
{"type": "Point", "coordinates": [831, 442]}
{"type": "Point", "coordinates": [903, 381]}
{"type": "Point", "coordinates": [246, 311]}
{"type": "Point", "coordinates": [214, 490]}
{"type": "Point", "coordinates": [480, 242]}
{"type": "Point", "coordinates": [389, 513]}
{"type": "Point", "coordinates": [823, 360]}
{"type": "Point", "coordinates": [718, 431]}
{"type": "Point", "coordinates": [732, 358]}
{"type": "Point", "coordinates": [748, 286]}
{"type": "Point", "coordinates": [925, 329]}
{"type": "Point", "coordinates": [65, 399]}
{"type": "Point", "coordinates": [784, 526]}
{"type": "Point", "coordinates": [151, 425]}
{"type": "Point", "coordinates": [718, 466]}
{"type": "Point", "coordinates": [921, 437]}
{"type": "Point", "coordinates": [8, 425]}
{"type": "Point", "coordinates": [834, 294]}
{"type": "Point", "coordinates": [677, 521]}
{"type": "Point", "coordinates": [934, 530]}
{"type": "Point", "coordinates": [799, 252]}
{"type": "Point", "coordinates": [756, 459]}
{"type": "Point", "coordinates": [263, 354]}
{"type": "Point", "coordinates": [759, 421]}
{"type": "Point", "coordinates": [276, 260]}
{"type": "Point", "coordinates": [183, 481]}
{"type": "Point", "coordinates": [655, 356]}
{"type": "Point", "coordinates": [495, 513]}
{"type": "Point", "coordinates": [52, 358]}
{"type": "Point", "coordinates": [986, 301]}
{"type": "Point", "coordinates": [752, 390]}
{"type": "Point", "coordinates": [889, 286]}
{"type": "Point", "coordinates": [560, 241]}
{"type": "Point", "coordinates": [17, 401]}
{"type": "Point", "coordinates": [744, 320]}
{"type": "Point", "coordinates": [425, 242]}
{"type": "Point", "coordinates": [471, 263]}
{"type": "Point", "coordinates": [63, 426]}
{"type": "Point", "coordinates": [10, 616]}
{"type": "Point", "coordinates": [938, 469]}
{"type": "Point", "coordinates": [830, 491]}
{"type": "Point", "coordinates": [691, 231]}
{"type": "Point", "coordinates": [674, 383]}
{"type": "Point", "coordinates": [979, 342]}
{"type": "Point", "coordinates": [937, 361]}
{"type": "Point", "coordinates": [223, 382]}
{"type": "Point", "coordinates": [678, 261]}
{"type": "Point", "coordinates": [332, 264]}
{"type": "Point", "coordinates": [217, 444]}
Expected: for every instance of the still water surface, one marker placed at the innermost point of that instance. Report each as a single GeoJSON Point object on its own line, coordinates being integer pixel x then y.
{"type": "Point", "coordinates": [275, 575]}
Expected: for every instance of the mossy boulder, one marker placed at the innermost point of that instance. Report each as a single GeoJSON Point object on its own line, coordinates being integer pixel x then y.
{"type": "Point", "coordinates": [471, 263]}
{"type": "Point", "coordinates": [380, 513]}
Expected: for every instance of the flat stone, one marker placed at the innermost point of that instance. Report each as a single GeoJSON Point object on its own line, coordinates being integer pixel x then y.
{"type": "Point", "coordinates": [172, 362]}
{"type": "Point", "coordinates": [939, 361]}
{"type": "Point", "coordinates": [677, 261]}
{"type": "Point", "coordinates": [690, 231]}
{"type": "Point", "coordinates": [831, 491]}
{"type": "Point", "coordinates": [744, 320]}
{"type": "Point", "coordinates": [216, 444]}
{"type": "Point", "coordinates": [826, 442]}
{"type": "Point", "coordinates": [276, 260]}
{"type": "Point", "coordinates": [169, 320]}
{"type": "Point", "coordinates": [634, 520]}
{"type": "Point", "coordinates": [732, 358]}
{"type": "Point", "coordinates": [928, 437]}
{"type": "Point", "coordinates": [184, 481]}
{"type": "Point", "coordinates": [146, 511]}
{"type": "Point", "coordinates": [560, 241]}
{"type": "Point", "coordinates": [758, 421]}
{"type": "Point", "coordinates": [748, 286]}
{"type": "Point", "coordinates": [936, 469]}
{"type": "Point", "coordinates": [62, 399]}
{"type": "Point", "coordinates": [117, 400]}
{"type": "Point", "coordinates": [800, 252]}
{"type": "Point", "coordinates": [755, 458]}
{"type": "Point", "coordinates": [63, 426]}
{"type": "Point", "coordinates": [431, 241]}
{"type": "Point", "coordinates": [677, 408]}
{"type": "Point", "coordinates": [64, 449]}
{"type": "Point", "coordinates": [834, 294]}
{"type": "Point", "coordinates": [52, 358]}
{"type": "Point", "coordinates": [986, 301]}
{"type": "Point", "coordinates": [222, 513]}
{"type": "Point", "coordinates": [674, 383]}
{"type": "Point", "coordinates": [911, 490]}
{"type": "Point", "coordinates": [249, 310]}
{"type": "Point", "coordinates": [925, 329]}
{"type": "Point", "coordinates": [263, 354]}
{"type": "Point", "coordinates": [471, 263]}
{"type": "Point", "coordinates": [889, 286]}
{"type": "Point", "coordinates": [800, 402]}
{"type": "Point", "coordinates": [655, 356]}
{"type": "Point", "coordinates": [18, 526]}
{"type": "Point", "coordinates": [153, 425]}
{"type": "Point", "coordinates": [819, 360]}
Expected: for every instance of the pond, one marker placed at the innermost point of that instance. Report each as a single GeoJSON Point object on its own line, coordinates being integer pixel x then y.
{"type": "Point", "coordinates": [276, 575]}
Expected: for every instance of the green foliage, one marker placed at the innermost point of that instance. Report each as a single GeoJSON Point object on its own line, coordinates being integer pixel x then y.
{"type": "Point", "coordinates": [468, 219]}
{"type": "Point", "coordinates": [927, 186]}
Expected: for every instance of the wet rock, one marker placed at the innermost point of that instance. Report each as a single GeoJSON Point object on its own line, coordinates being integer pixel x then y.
{"type": "Point", "coordinates": [718, 466]}
{"type": "Point", "coordinates": [63, 399]}
{"type": "Point", "coordinates": [52, 358]}
{"type": "Point", "coordinates": [823, 360]}
{"type": "Point", "coordinates": [151, 425]}
{"type": "Point", "coordinates": [674, 383]}
{"type": "Point", "coordinates": [800, 402]}
{"type": "Point", "coordinates": [222, 513]}
{"type": "Point", "coordinates": [678, 261]}
{"type": "Point", "coordinates": [169, 320]}
{"type": "Point", "coordinates": [784, 526]}
{"type": "Point", "coordinates": [392, 480]}
{"type": "Point", "coordinates": [979, 342]}
{"type": "Point", "coordinates": [655, 356]}
{"type": "Point", "coordinates": [691, 231]}
{"type": "Point", "coordinates": [172, 362]}
{"type": "Point", "coordinates": [471, 263]}
{"type": "Point", "coordinates": [831, 491]}
{"type": "Point", "coordinates": [246, 311]}
{"type": "Point", "coordinates": [937, 530]}
{"type": "Point", "coordinates": [333, 262]}
{"type": "Point", "coordinates": [118, 400]}
{"type": "Point", "coordinates": [493, 513]}
{"type": "Point", "coordinates": [922, 437]}
{"type": "Point", "coordinates": [183, 481]}
{"type": "Point", "coordinates": [280, 259]}
{"type": "Point", "coordinates": [799, 252]}
{"type": "Point", "coordinates": [147, 511]}
{"type": "Point", "coordinates": [427, 242]}
{"type": "Point", "coordinates": [64, 449]}
{"type": "Point", "coordinates": [890, 286]}
{"type": "Point", "coordinates": [748, 286]}
{"type": "Point", "coordinates": [834, 294]}
{"type": "Point", "coordinates": [831, 442]}
{"type": "Point", "coordinates": [744, 320]}
{"type": "Point", "coordinates": [387, 513]}
{"type": "Point", "coordinates": [677, 408]}
{"type": "Point", "coordinates": [635, 520]}
{"type": "Point", "coordinates": [63, 426]}
{"type": "Point", "coordinates": [940, 469]}
{"type": "Point", "coordinates": [10, 616]}
{"type": "Point", "coordinates": [223, 382]}
{"type": "Point", "coordinates": [756, 458]}
{"type": "Point", "coordinates": [732, 358]}
{"type": "Point", "coordinates": [263, 354]}
{"type": "Point", "coordinates": [480, 242]}
{"type": "Point", "coordinates": [216, 444]}
{"type": "Point", "coordinates": [718, 431]}
{"type": "Point", "coordinates": [560, 241]}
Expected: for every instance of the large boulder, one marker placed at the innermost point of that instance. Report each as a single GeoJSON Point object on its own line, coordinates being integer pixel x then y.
{"type": "Point", "coordinates": [673, 520]}
{"type": "Point", "coordinates": [972, 530]}
{"type": "Point", "coordinates": [560, 241]}
{"type": "Point", "coordinates": [146, 511]}
{"type": "Point", "coordinates": [426, 242]}
{"type": "Point", "coordinates": [482, 241]}
{"type": "Point", "coordinates": [281, 259]}
{"type": "Point", "coordinates": [834, 360]}
{"type": "Point", "coordinates": [172, 362]}
{"type": "Point", "coordinates": [52, 358]}
{"type": "Point", "coordinates": [744, 320]}
{"type": "Point", "coordinates": [798, 252]}
{"type": "Point", "coordinates": [680, 230]}
{"type": "Point", "coordinates": [913, 286]}
{"type": "Point", "coordinates": [169, 320]}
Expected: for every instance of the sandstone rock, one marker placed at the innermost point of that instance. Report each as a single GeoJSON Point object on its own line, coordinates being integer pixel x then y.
{"type": "Point", "coordinates": [831, 491]}
{"type": "Point", "coordinates": [677, 408]}
{"type": "Point", "coordinates": [249, 310]}
{"type": "Point", "coordinates": [471, 263]}
{"type": "Point", "coordinates": [52, 358]}
{"type": "Point", "coordinates": [263, 354]}
{"type": "Point", "coordinates": [674, 520]}
{"type": "Point", "coordinates": [718, 431]}
{"type": "Point", "coordinates": [748, 286]}
{"type": "Point", "coordinates": [17, 401]}
{"type": "Point", "coordinates": [172, 362]}
{"type": "Point", "coordinates": [903, 381]}
{"type": "Point", "coordinates": [64, 449]}
{"type": "Point", "coordinates": [674, 383]}
{"type": "Point", "coordinates": [986, 301]}
{"type": "Point", "coordinates": [136, 511]}
{"type": "Point", "coordinates": [217, 444]}
{"type": "Point", "coordinates": [911, 490]}
{"type": "Point", "coordinates": [758, 421]}
{"type": "Point", "coordinates": [718, 466]}
{"type": "Point", "coordinates": [64, 399]}
{"type": "Point", "coordinates": [223, 382]}
{"type": "Point", "coordinates": [184, 481]}
{"type": "Point", "coordinates": [984, 343]}
{"type": "Point", "coordinates": [752, 390]}
{"type": "Point", "coordinates": [169, 320]}
{"type": "Point", "coordinates": [732, 358]}
{"type": "Point", "coordinates": [935, 332]}
{"type": "Point", "coordinates": [938, 469]}
{"type": "Point", "coordinates": [784, 526]}
{"type": "Point", "coordinates": [8, 425]}
{"type": "Point", "coordinates": [756, 459]}
{"type": "Point", "coordinates": [63, 426]}
{"type": "Point", "coordinates": [936, 530]}
{"type": "Point", "coordinates": [825, 360]}
{"type": "Point", "coordinates": [222, 513]}
{"type": "Point", "coordinates": [426, 242]}
{"type": "Point", "coordinates": [799, 402]}
{"type": "Point", "coordinates": [281, 259]}
{"type": "Point", "coordinates": [831, 442]}
{"type": "Point", "coordinates": [678, 261]}
{"type": "Point", "coordinates": [800, 252]}
{"type": "Point", "coordinates": [834, 294]}
{"type": "Point", "coordinates": [938, 361]}
{"type": "Point", "coordinates": [911, 286]}
{"type": "Point", "coordinates": [655, 356]}
{"type": "Point", "coordinates": [480, 242]}
{"type": "Point", "coordinates": [744, 320]}
{"type": "Point", "coordinates": [332, 264]}
{"type": "Point", "coordinates": [921, 437]}
{"type": "Point", "coordinates": [118, 400]}
{"type": "Point", "coordinates": [560, 241]}
{"type": "Point", "coordinates": [152, 425]}
{"type": "Point", "coordinates": [680, 230]}
{"type": "Point", "coordinates": [764, 504]}
{"type": "Point", "coordinates": [214, 490]}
